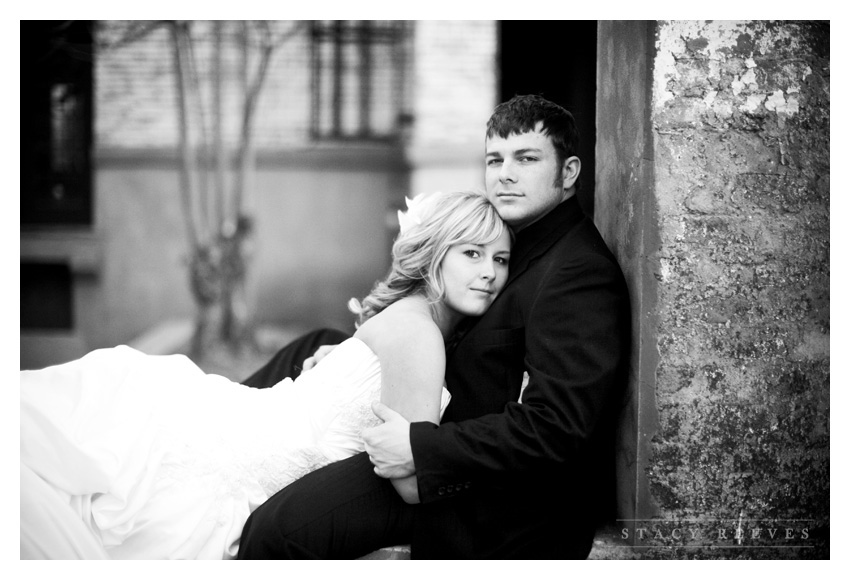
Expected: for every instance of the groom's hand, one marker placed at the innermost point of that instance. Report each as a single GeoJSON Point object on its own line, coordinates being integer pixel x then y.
{"type": "Point", "coordinates": [388, 445]}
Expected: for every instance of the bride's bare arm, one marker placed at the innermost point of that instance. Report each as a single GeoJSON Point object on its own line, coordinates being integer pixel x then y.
{"type": "Point", "coordinates": [412, 355]}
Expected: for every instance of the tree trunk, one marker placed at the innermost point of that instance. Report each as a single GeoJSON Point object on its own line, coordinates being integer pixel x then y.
{"type": "Point", "coordinates": [217, 226]}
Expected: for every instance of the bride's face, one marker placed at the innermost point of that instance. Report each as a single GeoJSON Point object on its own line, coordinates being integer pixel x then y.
{"type": "Point", "coordinates": [474, 275]}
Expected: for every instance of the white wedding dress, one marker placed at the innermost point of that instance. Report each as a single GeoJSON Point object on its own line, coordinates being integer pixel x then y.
{"type": "Point", "coordinates": [126, 455]}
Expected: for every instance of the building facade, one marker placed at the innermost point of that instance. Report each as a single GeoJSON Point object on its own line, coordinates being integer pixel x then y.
{"type": "Point", "coordinates": [333, 157]}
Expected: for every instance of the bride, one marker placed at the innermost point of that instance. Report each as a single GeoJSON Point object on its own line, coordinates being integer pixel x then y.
{"type": "Point", "coordinates": [126, 455]}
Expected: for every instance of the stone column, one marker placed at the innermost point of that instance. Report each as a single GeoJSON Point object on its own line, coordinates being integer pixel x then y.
{"type": "Point", "coordinates": [713, 191]}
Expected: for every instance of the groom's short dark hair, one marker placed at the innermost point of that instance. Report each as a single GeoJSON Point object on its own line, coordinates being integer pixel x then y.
{"type": "Point", "coordinates": [522, 113]}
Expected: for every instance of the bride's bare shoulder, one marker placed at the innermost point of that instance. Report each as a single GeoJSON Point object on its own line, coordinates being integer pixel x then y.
{"type": "Point", "coordinates": [406, 321]}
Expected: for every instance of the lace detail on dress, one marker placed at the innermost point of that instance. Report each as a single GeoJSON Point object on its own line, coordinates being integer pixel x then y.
{"type": "Point", "coordinates": [343, 437]}
{"type": "Point", "coordinates": [228, 469]}
{"type": "Point", "coordinates": [354, 418]}
{"type": "Point", "coordinates": [275, 473]}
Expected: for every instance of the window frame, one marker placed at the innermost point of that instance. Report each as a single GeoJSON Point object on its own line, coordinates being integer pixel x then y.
{"type": "Point", "coordinates": [363, 35]}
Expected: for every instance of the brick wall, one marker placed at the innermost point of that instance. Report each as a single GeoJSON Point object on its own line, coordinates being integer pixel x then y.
{"type": "Point", "coordinates": [454, 91]}
{"type": "Point", "coordinates": [136, 96]}
{"type": "Point", "coordinates": [455, 81]}
{"type": "Point", "coordinates": [450, 88]}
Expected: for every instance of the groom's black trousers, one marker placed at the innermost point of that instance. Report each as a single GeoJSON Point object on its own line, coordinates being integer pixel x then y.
{"type": "Point", "coordinates": [288, 360]}
{"type": "Point", "coordinates": [343, 510]}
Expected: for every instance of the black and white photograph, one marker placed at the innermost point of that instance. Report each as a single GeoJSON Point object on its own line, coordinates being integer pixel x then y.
{"type": "Point", "coordinates": [424, 289]}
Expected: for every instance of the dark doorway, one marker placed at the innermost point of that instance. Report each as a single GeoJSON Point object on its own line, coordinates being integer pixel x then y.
{"type": "Point", "coordinates": [557, 60]}
{"type": "Point", "coordinates": [47, 300]}
{"type": "Point", "coordinates": [57, 63]}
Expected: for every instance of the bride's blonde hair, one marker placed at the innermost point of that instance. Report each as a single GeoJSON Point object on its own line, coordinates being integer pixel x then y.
{"type": "Point", "coordinates": [435, 223]}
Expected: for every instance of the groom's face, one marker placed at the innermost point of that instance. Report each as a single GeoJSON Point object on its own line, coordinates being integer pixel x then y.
{"type": "Point", "coordinates": [523, 176]}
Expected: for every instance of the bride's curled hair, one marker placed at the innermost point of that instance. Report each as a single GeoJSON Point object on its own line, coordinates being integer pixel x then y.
{"type": "Point", "coordinates": [434, 223]}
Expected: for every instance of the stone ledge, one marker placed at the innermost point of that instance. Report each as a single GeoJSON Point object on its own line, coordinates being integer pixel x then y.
{"type": "Point", "coordinates": [391, 553]}
{"type": "Point", "coordinates": [80, 248]}
{"type": "Point", "coordinates": [603, 548]}
{"type": "Point", "coordinates": [167, 337]}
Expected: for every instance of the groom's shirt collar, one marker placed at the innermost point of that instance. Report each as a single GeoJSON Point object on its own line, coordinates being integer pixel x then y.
{"type": "Point", "coordinates": [549, 227]}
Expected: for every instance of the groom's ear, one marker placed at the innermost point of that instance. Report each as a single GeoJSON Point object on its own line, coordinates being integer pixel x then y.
{"type": "Point", "coordinates": [570, 172]}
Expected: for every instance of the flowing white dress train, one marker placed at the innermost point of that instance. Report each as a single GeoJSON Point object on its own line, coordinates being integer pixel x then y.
{"type": "Point", "coordinates": [127, 455]}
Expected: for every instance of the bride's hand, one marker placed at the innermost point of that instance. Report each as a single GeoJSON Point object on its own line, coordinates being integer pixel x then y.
{"type": "Point", "coordinates": [320, 353]}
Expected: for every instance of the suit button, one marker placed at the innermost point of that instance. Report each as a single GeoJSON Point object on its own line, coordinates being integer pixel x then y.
{"type": "Point", "coordinates": [441, 491]}
{"type": "Point", "coordinates": [467, 485]}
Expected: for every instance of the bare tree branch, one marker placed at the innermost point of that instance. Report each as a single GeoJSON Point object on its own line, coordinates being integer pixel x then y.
{"type": "Point", "coordinates": [135, 30]}
{"type": "Point", "coordinates": [188, 167]}
{"type": "Point", "coordinates": [252, 95]}
{"type": "Point", "coordinates": [207, 225]}
{"type": "Point", "coordinates": [220, 159]}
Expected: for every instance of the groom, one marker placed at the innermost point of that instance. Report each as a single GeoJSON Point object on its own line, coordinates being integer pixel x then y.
{"type": "Point", "coordinates": [497, 478]}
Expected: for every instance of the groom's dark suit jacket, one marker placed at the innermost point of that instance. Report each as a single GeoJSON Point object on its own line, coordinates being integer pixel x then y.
{"type": "Point", "coordinates": [503, 479]}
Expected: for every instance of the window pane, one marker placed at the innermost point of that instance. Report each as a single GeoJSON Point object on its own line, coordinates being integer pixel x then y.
{"type": "Point", "coordinates": [385, 100]}
{"type": "Point", "coordinates": [327, 86]}
{"type": "Point", "coordinates": [357, 78]}
{"type": "Point", "coordinates": [352, 71]}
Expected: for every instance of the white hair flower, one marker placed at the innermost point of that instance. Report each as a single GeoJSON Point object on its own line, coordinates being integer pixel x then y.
{"type": "Point", "coordinates": [413, 215]}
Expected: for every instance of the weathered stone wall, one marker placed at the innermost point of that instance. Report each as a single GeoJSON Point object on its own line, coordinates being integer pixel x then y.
{"type": "Point", "coordinates": [739, 454]}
